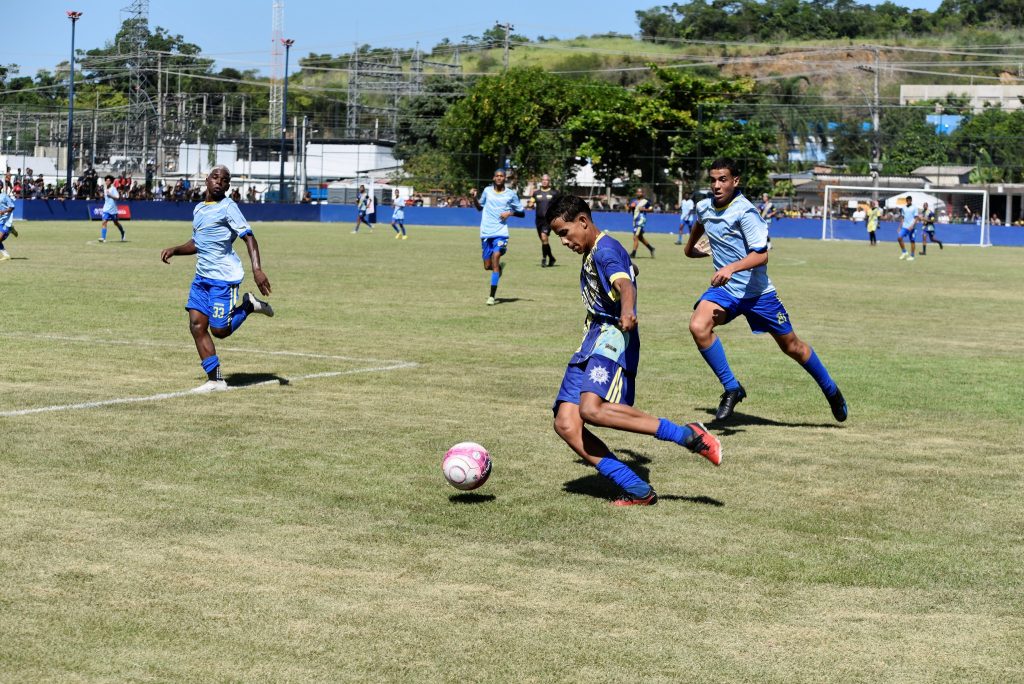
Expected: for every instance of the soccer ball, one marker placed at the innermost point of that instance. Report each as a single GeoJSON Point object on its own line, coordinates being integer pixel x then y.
{"type": "Point", "coordinates": [467, 465]}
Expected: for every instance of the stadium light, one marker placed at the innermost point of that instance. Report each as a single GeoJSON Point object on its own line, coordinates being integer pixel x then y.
{"type": "Point", "coordinates": [287, 42]}
{"type": "Point", "coordinates": [74, 17]}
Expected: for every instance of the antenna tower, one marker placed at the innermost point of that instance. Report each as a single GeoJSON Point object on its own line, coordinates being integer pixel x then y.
{"type": "Point", "coordinates": [276, 66]}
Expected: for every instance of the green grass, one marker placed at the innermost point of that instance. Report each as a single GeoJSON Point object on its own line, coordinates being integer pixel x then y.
{"type": "Point", "coordinates": [303, 532]}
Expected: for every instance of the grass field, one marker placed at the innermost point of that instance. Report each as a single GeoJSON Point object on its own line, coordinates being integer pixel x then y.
{"type": "Point", "coordinates": [302, 531]}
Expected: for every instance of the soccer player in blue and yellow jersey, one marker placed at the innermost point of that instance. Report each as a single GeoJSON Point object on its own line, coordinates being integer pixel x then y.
{"type": "Point", "coordinates": [363, 209]}
{"type": "Point", "coordinates": [640, 208]}
{"type": "Point", "coordinates": [738, 237]}
{"type": "Point", "coordinates": [600, 381]}
{"type": "Point", "coordinates": [6, 222]}
{"type": "Point", "coordinates": [928, 229]}
{"type": "Point", "coordinates": [213, 305]}
{"type": "Point", "coordinates": [497, 203]}
{"type": "Point", "coordinates": [874, 216]}
{"type": "Point", "coordinates": [110, 197]}
{"type": "Point", "coordinates": [908, 227]}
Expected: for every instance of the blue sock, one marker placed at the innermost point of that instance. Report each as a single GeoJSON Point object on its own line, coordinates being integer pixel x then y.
{"type": "Point", "coordinates": [670, 432]}
{"type": "Point", "coordinates": [103, 233]}
{"type": "Point", "coordinates": [211, 364]}
{"type": "Point", "coordinates": [816, 368]}
{"type": "Point", "coordinates": [238, 317]}
{"type": "Point", "coordinates": [395, 226]}
{"type": "Point", "coordinates": [495, 277]}
{"type": "Point", "coordinates": [715, 357]}
{"type": "Point", "coordinates": [622, 475]}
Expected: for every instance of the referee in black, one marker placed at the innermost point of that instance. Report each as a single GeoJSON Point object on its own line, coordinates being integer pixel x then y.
{"type": "Point", "coordinates": [542, 198]}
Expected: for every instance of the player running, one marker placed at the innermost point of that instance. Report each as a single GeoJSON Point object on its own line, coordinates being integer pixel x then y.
{"type": "Point", "coordinates": [213, 305]}
{"type": "Point", "coordinates": [363, 210]}
{"type": "Point", "coordinates": [687, 217]}
{"type": "Point", "coordinates": [907, 228]}
{"type": "Point", "coordinates": [6, 222]}
{"type": "Point", "coordinates": [110, 197]}
{"type": "Point", "coordinates": [600, 381]}
{"type": "Point", "coordinates": [640, 207]}
{"type": "Point", "coordinates": [928, 229]}
{"type": "Point", "coordinates": [398, 216]}
{"type": "Point", "coordinates": [497, 203]}
{"type": "Point", "coordinates": [740, 287]}
{"type": "Point", "coordinates": [542, 199]}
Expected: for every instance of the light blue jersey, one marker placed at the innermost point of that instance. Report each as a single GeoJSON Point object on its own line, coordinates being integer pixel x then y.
{"type": "Point", "coordinates": [735, 231]}
{"type": "Point", "coordinates": [215, 225]}
{"type": "Point", "coordinates": [494, 204]}
{"type": "Point", "coordinates": [6, 202]}
{"type": "Point", "coordinates": [110, 197]}
{"type": "Point", "coordinates": [909, 216]}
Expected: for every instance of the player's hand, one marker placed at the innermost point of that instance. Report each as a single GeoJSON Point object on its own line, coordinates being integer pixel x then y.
{"type": "Point", "coordinates": [472, 192]}
{"type": "Point", "coordinates": [627, 322]}
{"type": "Point", "coordinates": [262, 281]}
{"type": "Point", "coordinates": [505, 215]}
{"type": "Point", "coordinates": [165, 255]}
{"type": "Point", "coordinates": [721, 277]}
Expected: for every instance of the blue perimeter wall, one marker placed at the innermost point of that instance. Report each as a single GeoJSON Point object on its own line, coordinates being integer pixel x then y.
{"type": "Point", "coordinates": [78, 210]}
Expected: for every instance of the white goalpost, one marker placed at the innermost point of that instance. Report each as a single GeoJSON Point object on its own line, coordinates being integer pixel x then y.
{"type": "Point", "coordinates": [831, 191]}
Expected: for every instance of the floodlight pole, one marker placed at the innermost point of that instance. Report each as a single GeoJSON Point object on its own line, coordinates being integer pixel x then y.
{"type": "Point", "coordinates": [74, 17]}
{"type": "Point", "coordinates": [287, 42]}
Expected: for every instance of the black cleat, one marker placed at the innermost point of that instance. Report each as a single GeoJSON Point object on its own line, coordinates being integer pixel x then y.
{"type": "Point", "coordinates": [543, 262]}
{"type": "Point", "coordinates": [839, 409]}
{"type": "Point", "coordinates": [729, 400]}
{"type": "Point", "coordinates": [940, 244]}
{"type": "Point", "coordinates": [551, 261]}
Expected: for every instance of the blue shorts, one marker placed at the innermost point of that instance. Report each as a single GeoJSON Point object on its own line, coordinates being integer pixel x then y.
{"type": "Point", "coordinates": [599, 375]}
{"type": "Point", "coordinates": [214, 298]}
{"type": "Point", "coordinates": [107, 216]}
{"type": "Point", "coordinates": [687, 223]}
{"type": "Point", "coordinates": [764, 314]}
{"type": "Point", "coordinates": [489, 246]}
{"type": "Point", "coordinates": [638, 228]}
{"type": "Point", "coordinates": [907, 232]}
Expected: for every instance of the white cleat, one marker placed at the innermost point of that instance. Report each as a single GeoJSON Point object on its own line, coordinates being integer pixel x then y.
{"type": "Point", "coordinates": [4, 256]}
{"type": "Point", "coordinates": [102, 240]}
{"type": "Point", "coordinates": [491, 301]}
{"type": "Point", "coordinates": [211, 386]}
{"type": "Point", "coordinates": [910, 258]}
{"type": "Point", "coordinates": [258, 305]}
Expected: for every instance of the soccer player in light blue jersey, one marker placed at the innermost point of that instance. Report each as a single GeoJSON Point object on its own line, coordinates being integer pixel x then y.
{"type": "Point", "coordinates": [496, 203]}
{"type": "Point", "coordinates": [213, 305]}
{"type": "Point", "coordinates": [687, 217]}
{"type": "Point", "coordinates": [6, 222]}
{"type": "Point", "coordinates": [110, 197]}
{"type": "Point", "coordinates": [740, 286]}
{"type": "Point", "coordinates": [911, 217]}
{"type": "Point", "coordinates": [398, 216]}
{"type": "Point", "coordinates": [600, 381]}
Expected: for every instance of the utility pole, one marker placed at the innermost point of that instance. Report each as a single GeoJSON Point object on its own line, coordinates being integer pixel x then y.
{"type": "Point", "coordinates": [287, 42]}
{"type": "Point", "coordinates": [876, 133]}
{"type": "Point", "coordinates": [74, 17]}
{"type": "Point", "coordinates": [159, 114]}
{"type": "Point", "coordinates": [508, 31]}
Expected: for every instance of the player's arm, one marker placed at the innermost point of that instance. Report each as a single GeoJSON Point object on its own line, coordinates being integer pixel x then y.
{"type": "Point", "coordinates": [473, 198]}
{"type": "Point", "coordinates": [627, 298]}
{"type": "Point", "coordinates": [181, 250]}
{"type": "Point", "coordinates": [690, 249]}
{"type": "Point", "coordinates": [258, 275]}
{"type": "Point", "coordinates": [515, 208]}
{"type": "Point", "coordinates": [755, 234]}
{"type": "Point", "coordinates": [752, 260]}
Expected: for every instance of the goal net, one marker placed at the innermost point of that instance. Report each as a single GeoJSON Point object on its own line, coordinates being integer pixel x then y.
{"type": "Point", "coordinates": [969, 209]}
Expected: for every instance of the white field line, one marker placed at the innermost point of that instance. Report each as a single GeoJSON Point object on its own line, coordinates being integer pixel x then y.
{"type": "Point", "coordinates": [186, 393]}
{"type": "Point", "coordinates": [389, 366]}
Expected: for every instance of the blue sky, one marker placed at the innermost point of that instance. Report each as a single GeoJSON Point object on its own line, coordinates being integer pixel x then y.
{"type": "Point", "coordinates": [37, 33]}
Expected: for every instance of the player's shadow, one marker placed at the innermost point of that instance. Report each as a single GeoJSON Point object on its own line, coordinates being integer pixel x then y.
{"type": "Point", "coordinates": [247, 379]}
{"type": "Point", "coordinates": [19, 259]}
{"type": "Point", "coordinates": [471, 498]}
{"type": "Point", "coordinates": [511, 300]}
{"type": "Point", "coordinates": [597, 486]}
{"type": "Point", "coordinates": [729, 427]}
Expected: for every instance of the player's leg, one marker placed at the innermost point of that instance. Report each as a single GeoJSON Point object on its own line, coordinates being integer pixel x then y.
{"type": "Point", "coordinates": [4, 256]}
{"type": "Point", "coordinates": [913, 245]}
{"type": "Point", "coordinates": [606, 400]}
{"type": "Point", "coordinates": [198, 325]}
{"type": "Point", "coordinates": [708, 314]}
{"type": "Point", "coordinates": [770, 316]}
{"type": "Point", "coordinates": [646, 243]}
{"type": "Point", "coordinates": [934, 239]}
{"type": "Point", "coordinates": [545, 237]}
{"type": "Point", "coordinates": [120, 228]}
{"type": "Point", "coordinates": [636, 242]}
{"type": "Point", "coordinates": [543, 248]}
{"type": "Point", "coordinates": [903, 246]}
{"type": "Point", "coordinates": [394, 226]}
{"type": "Point", "coordinates": [103, 231]}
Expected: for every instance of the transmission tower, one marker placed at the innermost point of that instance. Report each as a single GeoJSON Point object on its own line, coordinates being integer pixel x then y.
{"type": "Point", "coordinates": [276, 65]}
{"type": "Point", "coordinates": [136, 143]}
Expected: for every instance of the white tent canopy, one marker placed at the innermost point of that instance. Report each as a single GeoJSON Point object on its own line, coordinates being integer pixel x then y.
{"type": "Point", "coordinates": [918, 198]}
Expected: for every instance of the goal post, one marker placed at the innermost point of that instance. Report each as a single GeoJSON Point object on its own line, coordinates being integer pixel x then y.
{"type": "Point", "coordinates": [834, 192]}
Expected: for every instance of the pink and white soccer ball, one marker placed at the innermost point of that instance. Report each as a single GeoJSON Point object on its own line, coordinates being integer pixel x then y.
{"type": "Point", "coordinates": [467, 465]}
